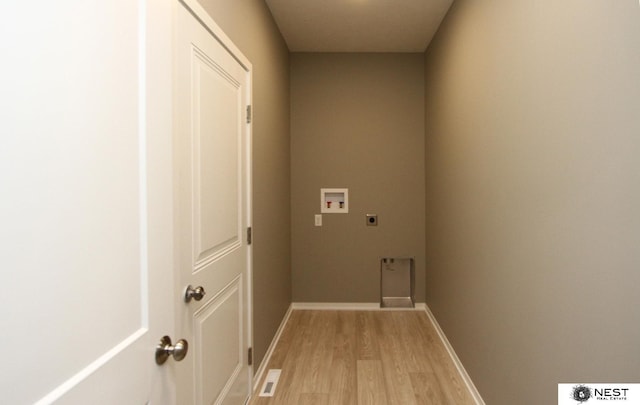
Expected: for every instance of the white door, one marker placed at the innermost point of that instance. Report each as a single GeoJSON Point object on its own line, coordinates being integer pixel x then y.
{"type": "Point", "coordinates": [211, 152]}
{"type": "Point", "coordinates": [85, 201]}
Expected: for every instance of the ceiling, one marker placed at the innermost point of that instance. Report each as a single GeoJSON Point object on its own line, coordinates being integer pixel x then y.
{"type": "Point", "coordinates": [358, 25]}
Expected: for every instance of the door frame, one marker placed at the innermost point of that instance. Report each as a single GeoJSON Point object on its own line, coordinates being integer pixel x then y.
{"type": "Point", "coordinates": [208, 22]}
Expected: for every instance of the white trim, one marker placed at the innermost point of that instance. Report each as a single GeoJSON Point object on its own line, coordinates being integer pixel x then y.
{"type": "Point", "coordinates": [265, 360]}
{"type": "Point", "coordinates": [350, 306]}
{"type": "Point", "coordinates": [340, 306]}
{"type": "Point", "coordinates": [201, 14]}
{"type": "Point", "coordinates": [454, 357]}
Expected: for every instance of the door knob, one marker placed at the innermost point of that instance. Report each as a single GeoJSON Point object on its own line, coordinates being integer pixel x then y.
{"type": "Point", "coordinates": [164, 349]}
{"type": "Point", "coordinates": [196, 293]}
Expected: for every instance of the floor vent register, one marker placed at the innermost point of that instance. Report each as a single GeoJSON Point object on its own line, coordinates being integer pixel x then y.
{"type": "Point", "coordinates": [269, 385]}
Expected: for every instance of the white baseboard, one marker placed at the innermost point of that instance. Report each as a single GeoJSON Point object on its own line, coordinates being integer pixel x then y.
{"type": "Point", "coordinates": [349, 306]}
{"type": "Point", "coordinates": [368, 306]}
{"type": "Point", "coordinates": [337, 306]}
{"type": "Point", "coordinates": [265, 360]}
{"type": "Point", "coordinates": [454, 357]}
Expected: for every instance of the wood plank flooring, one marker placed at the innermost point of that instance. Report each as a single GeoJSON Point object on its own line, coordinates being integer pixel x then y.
{"type": "Point", "coordinates": [363, 357]}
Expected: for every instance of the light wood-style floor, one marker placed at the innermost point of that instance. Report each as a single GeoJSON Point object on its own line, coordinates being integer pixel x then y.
{"type": "Point", "coordinates": [363, 357]}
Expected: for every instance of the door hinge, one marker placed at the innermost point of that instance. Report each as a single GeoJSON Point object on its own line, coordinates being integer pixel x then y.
{"type": "Point", "coordinates": [249, 114]}
{"type": "Point", "coordinates": [250, 356]}
{"type": "Point", "coordinates": [249, 236]}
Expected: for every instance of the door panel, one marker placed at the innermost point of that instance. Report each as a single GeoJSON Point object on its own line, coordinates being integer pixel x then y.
{"type": "Point", "coordinates": [216, 160]}
{"type": "Point", "coordinates": [224, 350]}
{"type": "Point", "coordinates": [80, 196]}
{"type": "Point", "coordinates": [211, 144]}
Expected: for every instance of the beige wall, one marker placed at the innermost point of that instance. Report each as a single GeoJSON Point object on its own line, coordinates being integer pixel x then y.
{"type": "Point", "coordinates": [356, 122]}
{"type": "Point", "coordinates": [533, 193]}
{"type": "Point", "coordinates": [250, 26]}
